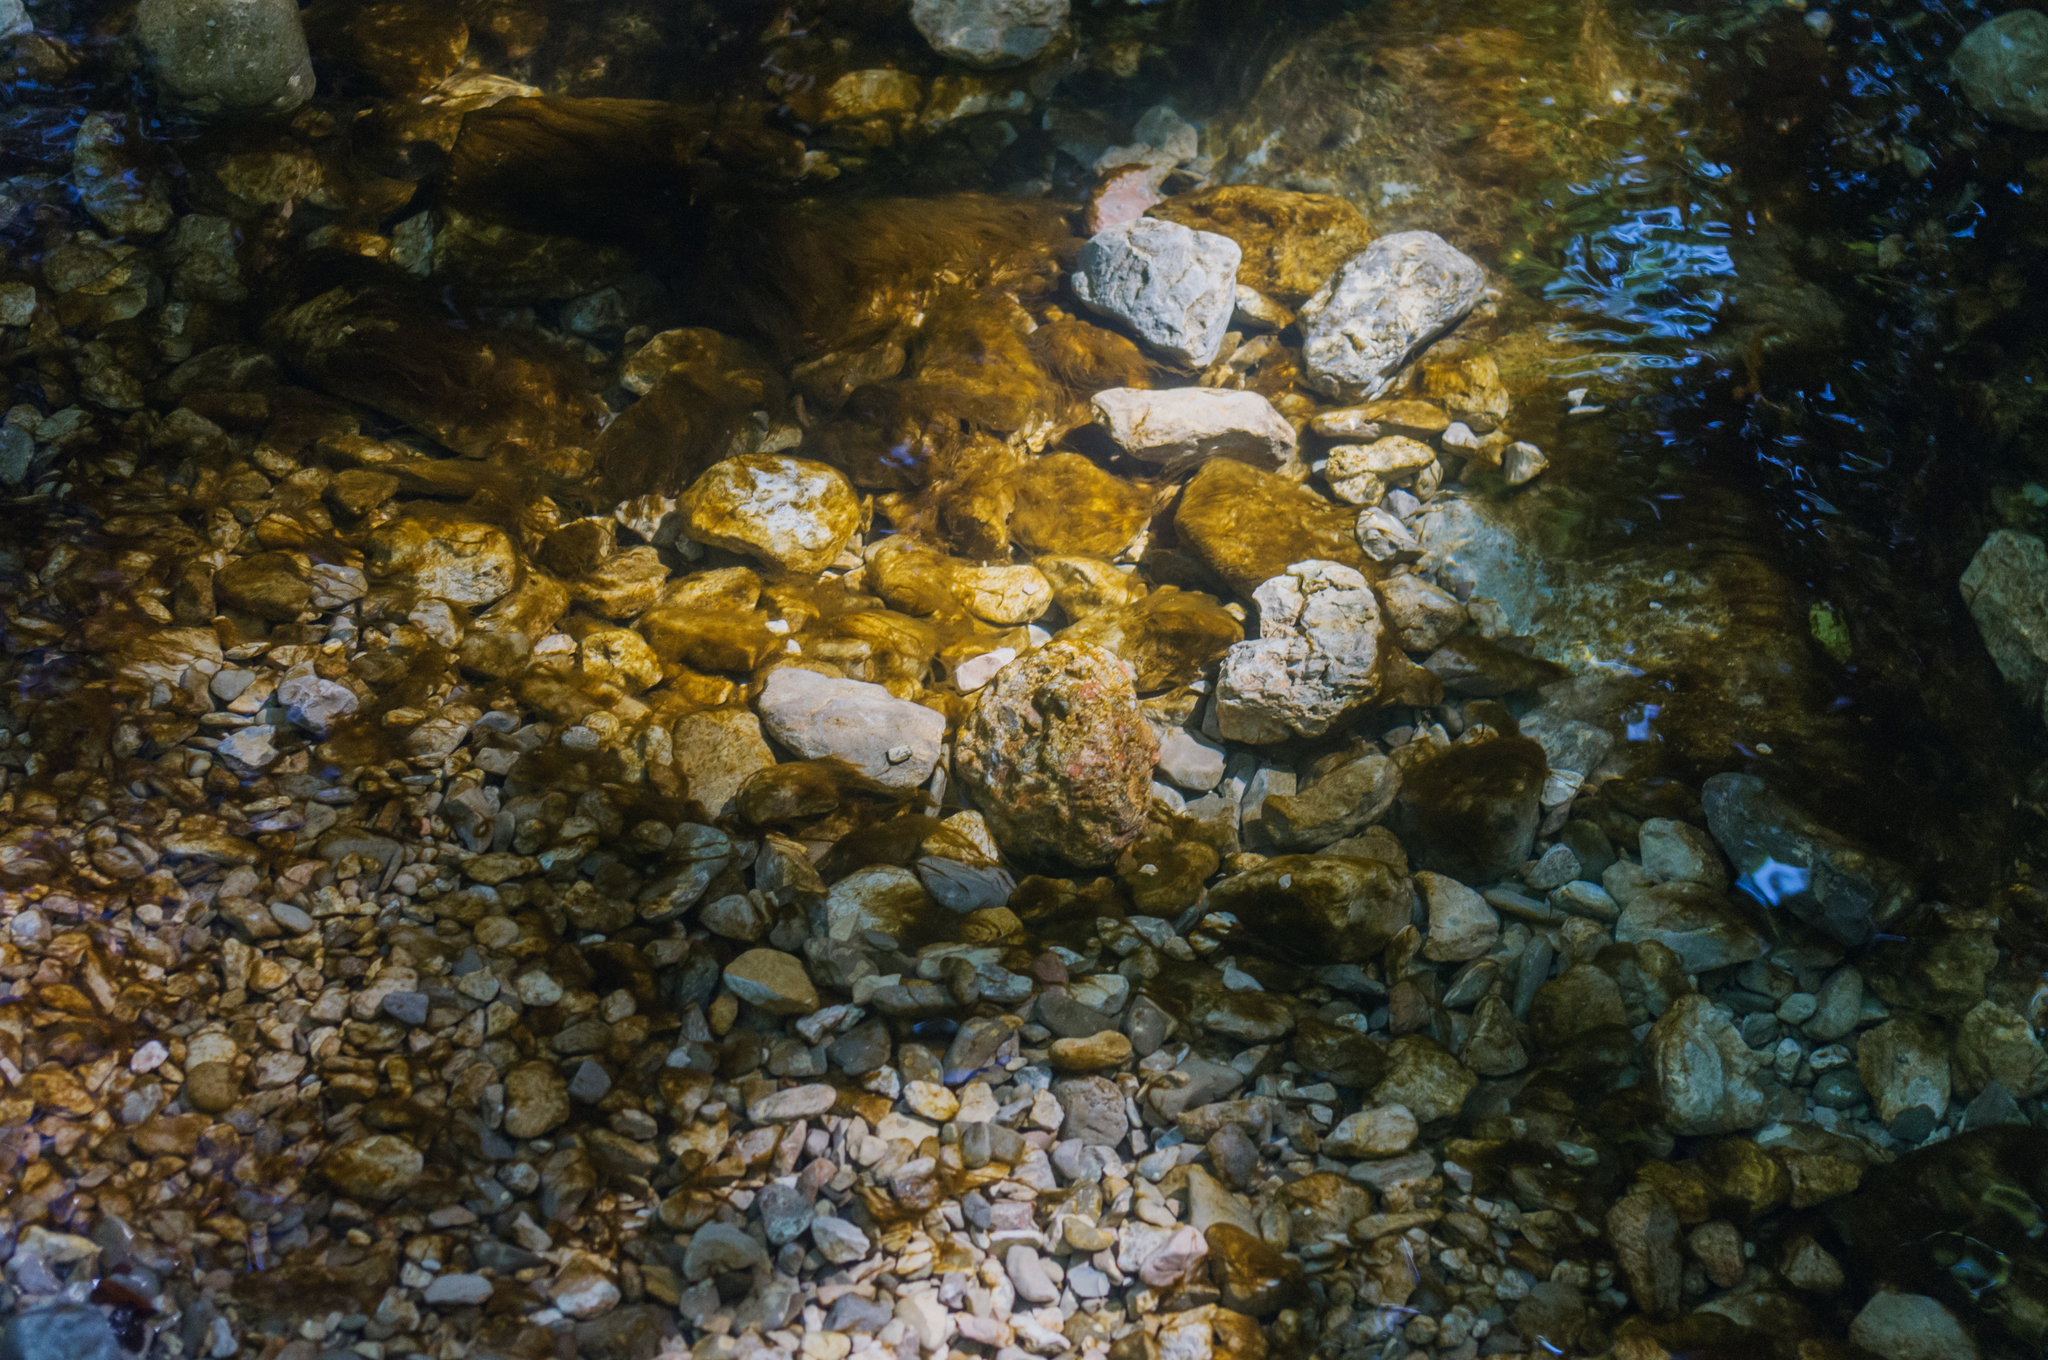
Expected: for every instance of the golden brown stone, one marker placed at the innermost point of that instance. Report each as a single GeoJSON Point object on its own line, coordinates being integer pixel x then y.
{"type": "Point", "coordinates": [1249, 526]}
{"type": "Point", "coordinates": [1292, 242]}
{"type": "Point", "coordinates": [1170, 637]}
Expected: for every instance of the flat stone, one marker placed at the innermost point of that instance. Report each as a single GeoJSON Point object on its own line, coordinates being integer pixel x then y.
{"type": "Point", "coordinates": [1912, 1326]}
{"type": "Point", "coordinates": [774, 981]}
{"type": "Point", "coordinates": [890, 740]}
{"type": "Point", "coordinates": [1384, 1132]}
{"type": "Point", "coordinates": [458, 1290]}
{"type": "Point", "coordinates": [1180, 428]}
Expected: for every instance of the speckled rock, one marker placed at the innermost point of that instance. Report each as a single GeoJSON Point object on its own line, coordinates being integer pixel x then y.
{"type": "Point", "coordinates": [2003, 68]}
{"type": "Point", "coordinates": [461, 561]}
{"type": "Point", "coordinates": [1058, 756]}
{"type": "Point", "coordinates": [380, 1167]}
{"type": "Point", "coordinates": [1174, 287]}
{"type": "Point", "coordinates": [792, 513]}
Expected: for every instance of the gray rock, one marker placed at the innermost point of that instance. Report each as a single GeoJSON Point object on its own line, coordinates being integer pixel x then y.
{"type": "Point", "coordinates": [14, 20]}
{"type": "Point", "coordinates": [1841, 1006]}
{"type": "Point", "coordinates": [1317, 657]}
{"type": "Point", "coordinates": [785, 1213]}
{"type": "Point", "coordinates": [223, 58]}
{"type": "Point", "coordinates": [1911, 1327]}
{"type": "Point", "coordinates": [1461, 925]}
{"type": "Point", "coordinates": [2003, 69]}
{"type": "Point", "coordinates": [59, 1331]}
{"type": "Point", "coordinates": [1382, 309]}
{"type": "Point", "coordinates": [1422, 616]}
{"type": "Point", "coordinates": [1174, 286]}
{"type": "Point", "coordinates": [1702, 1072]}
{"type": "Point", "coordinates": [1673, 850]}
{"type": "Point", "coordinates": [590, 1082]}
{"type": "Point", "coordinates": [1180, 428]}
{"type": "Point", "coordinates": [1094, 1108]}
{"type": "Point", "coordinates": [457, 1289]}
{"type": "Point", "coordinates": [1840, 1089]}
{"type": "Point", "coordinates": [407, 1008]}
{"type": "Point", "coordinates": [989, 33]}
{"type": "Point", "coordinates": [1027, 1275]}
{"type": "Point", "coordinates": [315, 704]}
{"type": "Point", "coordinates": [720, 1247]}
{"type": "Point", "coordinates": [1190, 761]}
{"type": "Point", "coordinates": [852, 1313]}
{"type": "Point", "coordinates": [1784, 858]}
{"type": "Point", "coordinates": [816, 715]}
{"type": "Point", "coordinates": [1993, 1105]}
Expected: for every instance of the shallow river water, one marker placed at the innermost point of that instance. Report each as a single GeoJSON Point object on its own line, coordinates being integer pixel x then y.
{"type": "Point", "coordinates": [1001, 678]}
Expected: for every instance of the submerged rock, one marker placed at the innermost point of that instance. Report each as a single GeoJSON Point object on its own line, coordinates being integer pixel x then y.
{"type": "Point", "coordinates": [1058, 756]}
{"type": "Point", "coordinates": [1183, 427]}
{"type": "Point", "coordinates": [1319, 908]}
{"type": "Point", "coordinates": [221, 58]}
{"type": "Point", "coordinates": [1702, 1071]}
{"type": "Point", "coordinates": [891, 740]}
{"type": "Point", "coordinates": [1470, 811]}
{"type": "Point", "coordinates": [1291, 243]}
{"type": "Point", "coordinates": [1174, 287]}
{"type": "Point", "coordinates": [990, 33]}
{"type": "Point", "coordinates": [1911, 1326]}
{"type": "Point", "coordinates": [792, 513]}
{"type": "Point", "coordinates": [1784, 858]}
{"type": "Point", "coordinates": [1248, 526]}
{"type": "Point", "coordinates": [1318, 657]}
{"type": "Point", "coordinates": [2003, 69]}
{"type": "Point", "coordinates": [1381, 309]}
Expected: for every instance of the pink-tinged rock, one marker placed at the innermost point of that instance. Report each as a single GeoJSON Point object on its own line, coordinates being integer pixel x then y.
{"type": "Point", "coordinates": [1183, 1252]}
{"type": "Point", "coordinates": [1058, 757]}
{"type": "Point", "coordinates": [1124, 196]}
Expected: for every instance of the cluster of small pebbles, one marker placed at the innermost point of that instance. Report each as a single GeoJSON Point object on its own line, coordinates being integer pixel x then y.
{"type": "Point", "coordinates": [569, 849]}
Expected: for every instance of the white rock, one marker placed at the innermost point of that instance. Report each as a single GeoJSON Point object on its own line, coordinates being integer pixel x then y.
{"type": "Point", "coordinates": [1176, 287]}
{"type": "Point", "coordinates": [1523, 462]}
{"type": "Point", "coordinates": [1384, 537]}
{"type": "Point", "coordinates": [1381, 309]}
{"type": "Point", "coordinates": [1461, 925]}
{"type": "Point", "coordinates": [989, 33]}
{"type": "Point", "coordinates": [1317, 656]}
{"type": "Point", "coordinates": [249, 746]}
{"type": "Point", "coordinates": [817, 715]}
{"type": "Point", "coordinates": [838, 1241]}
{"type": "Point", "coordinates": [1180, 428]}
{"type": "Point", "coordinates": [1422, 616]}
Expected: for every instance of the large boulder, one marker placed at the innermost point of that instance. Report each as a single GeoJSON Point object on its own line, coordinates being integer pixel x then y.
{"type": "Point", "coordinates": [1174, 287]}
{"type": "Point", "coordinates": [2003, 69]}
{"type": "Point", "coordinates": [1058, 756]}
{"type": "Point", "coordinates": [1382, 309]}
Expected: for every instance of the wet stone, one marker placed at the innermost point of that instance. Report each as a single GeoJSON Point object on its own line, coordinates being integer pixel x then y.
{"type": "Point", "coordinates": [888, 739]}
{"type": "Point", "coordinates": [1318, 657]}
{"type": "Point", "coordinates": [990, 33]}
{"type": "Point", "coordinates": [216, 59]}
{"type": "Point", "coordinates": [59, 1331]}
{"type": "Point", "coordinates": [1381, 308]}
{"type": "Point", "coordinates": [2001, 66]}
{"type": "Point", "coordinates": [1175, 288]}
{"type": "Point", "coordinates": [1181, 428]}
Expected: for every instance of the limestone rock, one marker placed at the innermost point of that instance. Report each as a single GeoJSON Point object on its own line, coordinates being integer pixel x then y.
{"type": "Point", "coordinates": [792, 513]}
{"type": "Point", "coordinates": [1995, 1043]}
{"type": "Point", "coordinates": [464, 562]}
{"type": "Point", "coordinates": [1381, 309]}
{"type": "Point", "coordinates": [891, 740]}
{"type": "Point", "coordinates": [2003, 69]}
{"type": "Point", "coordinates": [1174, 287]}
{"type": "Point", "coordinates": [1318, 656]}
{"type": "Point", "coordinates": [1341, 803]}
{"type": "Point", "coordinates": [1180, 428]}
{"type": "Point", "coordinates": [989, 33]}
{"type": "Point", "coordinates": [1384, 1132]}
{"type": "Point", "coordinates": [381, 1166]}
{"type": "Point", "coordinates": [1058, 757]}
{"type": "Point", "coordinates": [1422, 616]}
{"type": "Point", "coordinates": [225, 58]}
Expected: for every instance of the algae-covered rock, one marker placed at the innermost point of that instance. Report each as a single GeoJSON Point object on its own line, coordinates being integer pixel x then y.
{"type": "Point", "coordinates": [1249, 526]}
{"type": "Point", "coordinates": [1169, 638]}
{"type": "Point", "coordinates": [1319, 909]}
{"type": "Point", "coordinates": [1291, 242]}
{"type": "Point", "coordinates": [792, 513]}
{"type": "Point", "coordinates": [1066, 505]}
{"type": "Point", "coordinates": [2002, 66]}
{"type": "Point", "coordinates": [1470, 811]}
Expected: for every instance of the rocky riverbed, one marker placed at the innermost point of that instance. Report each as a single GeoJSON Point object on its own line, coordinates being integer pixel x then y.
{"type": "Point", "coordinates": [824, 683]}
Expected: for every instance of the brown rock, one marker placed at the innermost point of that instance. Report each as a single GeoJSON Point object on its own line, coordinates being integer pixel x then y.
{"type": "Point", "coordinates": [381, 1166]}
{"type": "Point", "coordinates": [1644, 1229]}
